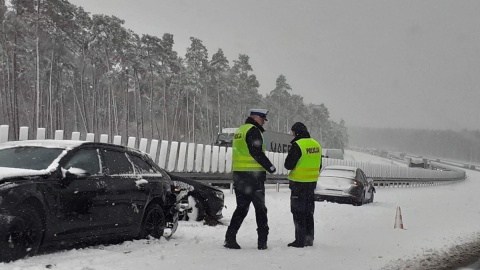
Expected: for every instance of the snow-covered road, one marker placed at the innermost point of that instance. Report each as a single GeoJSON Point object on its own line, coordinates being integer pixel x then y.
{"type": "Point", "coordinates": [347, 237]}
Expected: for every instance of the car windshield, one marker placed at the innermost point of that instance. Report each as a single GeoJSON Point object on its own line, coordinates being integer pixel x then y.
{"type": "Point", "coordinates": [228, 137]}
{"type": "Point", "coordinates": [27, 157]}
{"type": "Point", "coordinates": [337, 173]}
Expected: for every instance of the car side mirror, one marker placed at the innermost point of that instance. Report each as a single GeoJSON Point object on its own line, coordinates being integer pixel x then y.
{"type": "Point", "coordinates": [72, 174]}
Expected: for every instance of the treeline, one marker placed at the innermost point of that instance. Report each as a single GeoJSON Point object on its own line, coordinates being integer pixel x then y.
{"type": "Point", "coordinates": [456, 145]}
{"type": "Point", "coordinates": [62, 68]}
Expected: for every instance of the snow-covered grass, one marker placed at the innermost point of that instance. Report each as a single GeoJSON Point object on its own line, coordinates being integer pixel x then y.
{"type": "Point", "coordinates": [346, 237]}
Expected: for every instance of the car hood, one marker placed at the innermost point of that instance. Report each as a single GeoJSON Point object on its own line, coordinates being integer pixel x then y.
{"type": "Point", "coordinates": [6, 172]}
{"type": "Point", "coordinates": [192, 182]}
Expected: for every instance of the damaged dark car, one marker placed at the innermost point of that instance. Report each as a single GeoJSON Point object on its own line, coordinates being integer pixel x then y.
{"type": "Point", "coordinates": [200, 201]}
{"type": "Point", "coordinates": [57, 192]}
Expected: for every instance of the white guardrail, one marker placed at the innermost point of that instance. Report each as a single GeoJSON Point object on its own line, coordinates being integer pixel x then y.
{"type": "Point", "coordinates": [213, 163]}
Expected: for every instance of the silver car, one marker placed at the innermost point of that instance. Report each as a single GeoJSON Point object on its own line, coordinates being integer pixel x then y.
{"type": "Point", "coordinates": [344, 184]}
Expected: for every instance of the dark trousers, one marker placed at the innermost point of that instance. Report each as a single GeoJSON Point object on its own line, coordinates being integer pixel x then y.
{"type": "Point", "coordinates": [246, 194]}
{"type": "Point", "coordinates": [302, 206]}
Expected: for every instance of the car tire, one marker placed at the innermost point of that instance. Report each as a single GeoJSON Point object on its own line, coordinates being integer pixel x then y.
{"type": "Point", "coordinates": [197, 212]}
{"type": "Point", "coordinates": [360, 200]}
{"type": "Point", "coordinates": [153, 223]}
{"type": "Point", "coordinates": [23, 236]}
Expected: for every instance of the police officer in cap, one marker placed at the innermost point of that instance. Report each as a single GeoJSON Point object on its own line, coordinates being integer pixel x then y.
{"type": "Point", "coordinates": [304, 159]}
{"type": "Point", "coordinates": [249, 166]}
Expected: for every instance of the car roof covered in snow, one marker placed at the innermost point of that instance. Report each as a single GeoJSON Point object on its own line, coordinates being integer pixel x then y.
{"type": "Point", "coordinates": [64, 144]}
{"type": "Point", "coordinates": [338, 171]}
{"type": "Point", "coordinates": [340, 167]}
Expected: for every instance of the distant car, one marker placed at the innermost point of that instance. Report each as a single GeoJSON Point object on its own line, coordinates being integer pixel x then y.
{"type": "Point", "coordinates": [200, 200]}
{"type": "Point", "coordinates": [224, 139]}
{"type": "Point", "coordinates": [344, 184]}
{"type": "Point", "coordinates": [70, 192]}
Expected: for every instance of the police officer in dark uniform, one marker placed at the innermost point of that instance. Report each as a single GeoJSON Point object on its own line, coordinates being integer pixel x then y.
{"type": "Point", "coordinates": [249, 166]}
{"type": "Point", "coordinates": [304, 159]}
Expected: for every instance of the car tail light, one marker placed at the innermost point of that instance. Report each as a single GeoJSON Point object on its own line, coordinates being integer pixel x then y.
{"type": "Point", "coordinates": [175, 189]}
{"type": "Point", "coordinates": [356, 183]}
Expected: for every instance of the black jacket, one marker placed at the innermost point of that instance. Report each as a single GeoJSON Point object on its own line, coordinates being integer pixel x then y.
{"type": "Point", "coordinates": [295, 153]}
{"type": "Point", "coordinates": [251, 182]}
{"type": "Point", "coordinates": [254, 141]}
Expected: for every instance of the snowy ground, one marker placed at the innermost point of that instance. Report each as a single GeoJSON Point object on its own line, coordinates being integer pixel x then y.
{"type": "Point", "coordinates": [437, 220]}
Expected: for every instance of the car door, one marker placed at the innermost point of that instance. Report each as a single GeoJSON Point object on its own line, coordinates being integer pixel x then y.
{"type": "Point", "coordinates": [368, 186]}
{"type": "Point", "coordinates": [359, 176]}
{"type": "Point", "coordinates": [149, 180]}
{"type": "Point", "coordinates": [81, 208]}
{"type": "Point", "coordinates": [124, 195]}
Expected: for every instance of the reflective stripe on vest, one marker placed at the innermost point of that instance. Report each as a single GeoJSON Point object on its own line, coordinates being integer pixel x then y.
{"type": "Point", "coordinates": [308, 166]}
{"type": "Point", "coordinates": [242, 160]}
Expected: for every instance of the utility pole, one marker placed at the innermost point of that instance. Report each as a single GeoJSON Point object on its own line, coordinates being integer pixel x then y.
{"type": "Point", "coordinates": [37, 110]}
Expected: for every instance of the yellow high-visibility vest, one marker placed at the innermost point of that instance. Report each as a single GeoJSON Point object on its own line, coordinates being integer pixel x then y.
{"type": "Point", "coordinates": [308, 166]}
{"type": "Point", "coordinates": [242, 160]}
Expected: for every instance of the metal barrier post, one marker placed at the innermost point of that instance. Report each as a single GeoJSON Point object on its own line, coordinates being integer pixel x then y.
{"type": "Point", "coordinates": [231, 188]}
{"type": "Point", "coordinates": [278, 187]}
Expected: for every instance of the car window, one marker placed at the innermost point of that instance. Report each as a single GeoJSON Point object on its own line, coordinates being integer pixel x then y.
{"type": "Point", "coordinates": [34, 158]}
{"type": "Point", "coordinates": [117, 162]}
{"type": "Point", "coordinates": [338, 173]}
{"type": "Point", "coordinates": [358, 176]}
{"type": "Point", "coordinates": [141, 166]}
{"type": "Point", "coordinates": [361, 177]}
{"type": "Point", "coordinates": [85, 159]}
{"type": "Point", "coordinates": [364, 176]}
{"type": "Point", "coordinates": [163, 173]}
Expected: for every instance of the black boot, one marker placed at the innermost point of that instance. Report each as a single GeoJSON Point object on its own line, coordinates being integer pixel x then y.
{"type": "Point", "coordinates": [231, 241]}
{"type": "Point", "coordinates": [299, 222]}
{"type": "Point", "coordinates": [310, 230]}
{"type": "Point", "coordinates": [296, 244]}
{"type": "Point", "coordinates": [309, 241]}
{"type": "Point", "coordinates": [262, 238]}
{"type": "Point", "coordinates": [231, 244]}
{"type": "Point", "coordinates": [262, 243]}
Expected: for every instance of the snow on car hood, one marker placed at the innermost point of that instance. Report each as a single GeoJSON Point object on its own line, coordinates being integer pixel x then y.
{"type": "Point", "coordinates": [332, 182]}
{"type": "Point", "coordinates": [13, 172]}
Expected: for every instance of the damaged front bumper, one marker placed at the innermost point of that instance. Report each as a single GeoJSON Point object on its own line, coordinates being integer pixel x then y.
{"type": "Point", "coordinates": [172, 219]}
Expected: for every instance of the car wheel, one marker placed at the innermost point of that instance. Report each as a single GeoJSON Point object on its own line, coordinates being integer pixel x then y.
{"type": "Point", "coordinates": [360, 200]}
{"type": "Point", "coordinates": [197, 212]}
{"type": "Point", "coordinates": [153, 223]}
{"type": "Point", "coordinates": [23, 236]}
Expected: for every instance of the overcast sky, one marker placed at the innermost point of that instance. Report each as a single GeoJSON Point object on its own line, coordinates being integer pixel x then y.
{"type": "Point", "coordinates": [374, 63]}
